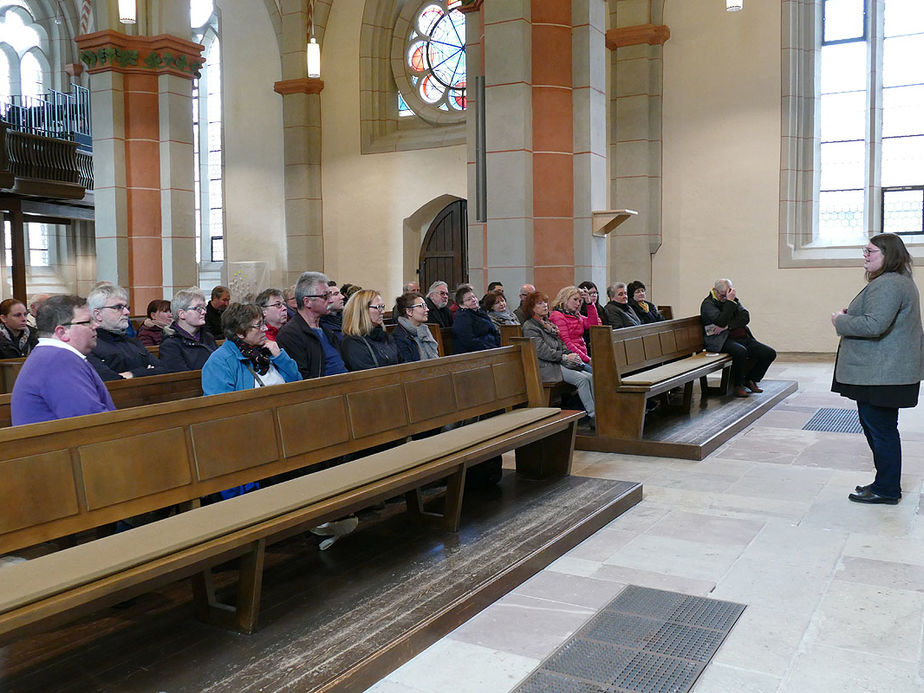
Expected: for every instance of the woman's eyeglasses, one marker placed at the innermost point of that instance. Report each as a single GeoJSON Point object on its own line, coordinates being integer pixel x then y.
{"type": "Point", "coordinates": [380, 308]}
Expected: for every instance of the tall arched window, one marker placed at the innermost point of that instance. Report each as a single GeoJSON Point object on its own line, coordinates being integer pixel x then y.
{"type": "Point", "coordinates": [207, 138]}
{"type": "Point", "coordinates": [23, 66]}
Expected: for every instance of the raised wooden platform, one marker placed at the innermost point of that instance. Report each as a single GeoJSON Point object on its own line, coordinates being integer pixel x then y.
{"type": "Point", "coordinates": [334, 620]}
{"type": "Point", "coordinates": [712, 421]}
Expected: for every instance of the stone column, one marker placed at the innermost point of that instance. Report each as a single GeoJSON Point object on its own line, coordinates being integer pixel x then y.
{"type": "Point", "coordinates": [142, 157]}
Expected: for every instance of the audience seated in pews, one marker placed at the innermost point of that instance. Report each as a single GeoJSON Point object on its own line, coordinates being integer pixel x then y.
{"type": "Point", "coordinates": [56, 381]}
{"type": "Point", "coordinates": [618, 311]}
{"type": "Point", "coordinates": [412, 336]}
{"type": "Point", "coordinates": [525, 291]}
{"type": "Point", "coordinates": [333, 319]}
{"type": "Point", "coordinates": [117, 355]}
{"type": "Point", "coordinates": [437, 302]}
{"type": "Point", "coordinates": [156, 324]}
{"type": "Point", "coordinates": [221, 297]}
{"type": "Point", "coordinates": [556, 360]}
{"type": "Point", "coordinates": [571, 324]}
{"type": "Point", "coordinates": [495, 305]}
{"type": "Point", "coordinates": [314, 347]}
{"type": "Point", "coordinates": [472, 328]}
{"type": "Point", "coordinates": [273, 305]}
{"type": "Point", "coordinates": [646, 311]}
{"type": "Point", "coordinates": [366, 344]}
{"type": "Point", "coordinates": [17, 339]}
{"type": "Point", "coordinates": [189, 344]}
{"type": "Point", "coordinates": [246, 360]}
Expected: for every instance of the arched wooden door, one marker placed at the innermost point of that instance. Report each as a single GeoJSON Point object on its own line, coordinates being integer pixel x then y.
{"type": "Point", "coordinates": [444, 253]}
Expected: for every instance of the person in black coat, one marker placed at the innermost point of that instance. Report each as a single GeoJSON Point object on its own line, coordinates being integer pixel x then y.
{"type": "Point", "coordinates": [472, 327]}
{"type": "Point", "coordinates": [412, 335]}
{"type": "Point", "coordinates": [618, 311]}
{"type": "Point", "coordinates": [314, 347]}
{"type": "Point", "coordinates": [646, 311]}
{"type": "Point", "coordinates": [365, 343]}
{"type": "Point", "coordinates": [17, 339]}
{"type": "Point", "coordinates": [438, 304]}
{"type": "Point", "coordinates": [187, 345]}
{"type": "Point", "coordinates": [221, 297]}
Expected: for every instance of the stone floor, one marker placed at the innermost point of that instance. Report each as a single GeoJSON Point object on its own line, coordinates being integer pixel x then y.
{"type": "Point", "coordinates": [834, 590]}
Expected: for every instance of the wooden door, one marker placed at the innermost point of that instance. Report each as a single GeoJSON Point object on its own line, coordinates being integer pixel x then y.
{"type": "Point", "coordinates": [444, 253]}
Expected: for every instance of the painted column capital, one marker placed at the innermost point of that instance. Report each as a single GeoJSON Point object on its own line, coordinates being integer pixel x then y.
{"type": "Point", "coordinates": [470, 6]}
{"type": "Point", "coordinates": [303, 85]}
{"type": "Point", "coordinates": [114, 51]}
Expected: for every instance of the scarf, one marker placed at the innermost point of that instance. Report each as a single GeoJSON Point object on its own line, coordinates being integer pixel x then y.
{"type": "Point", "coordinates": [643, 305]}
{"type": "Point", "coordinates": [548, 325]}
{"type": "Point", "coordinates": [427, 346]}
{"type": "Point", "coordinates": [259, 357]}
{"type": "Point", "coordinates": [503, 317]}
{"type": "Point", "coordinates": [19, 343]}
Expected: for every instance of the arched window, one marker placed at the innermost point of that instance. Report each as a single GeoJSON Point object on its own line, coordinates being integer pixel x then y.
{"type": "Point", "coordinates": [23, 65]}
{"type": "Point", "coordinates": [207, 138]}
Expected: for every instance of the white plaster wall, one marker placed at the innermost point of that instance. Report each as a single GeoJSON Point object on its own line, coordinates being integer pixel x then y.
{"type": "Point", "coordinates": [721, 178]}
{"type": "Point", "coordinates": [253, 149]}
{"type": "Point", "coordinates": [367, 197]}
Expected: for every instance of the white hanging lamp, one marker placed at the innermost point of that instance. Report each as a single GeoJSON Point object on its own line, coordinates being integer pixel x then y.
{"type": "Point", "coordinates": [734, 5]}
{"type": "Point", "coordinates": [314, 50]}
{"type": "Point", "coordinates": [128, 12]}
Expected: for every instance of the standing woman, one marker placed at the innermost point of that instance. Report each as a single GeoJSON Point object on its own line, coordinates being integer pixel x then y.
{"type": "Point", "coordinates": [365, 343]}
{"type": "Point", "coordinates": [17, 339]}
{"type": "Point", "coordinates": [880, 360]}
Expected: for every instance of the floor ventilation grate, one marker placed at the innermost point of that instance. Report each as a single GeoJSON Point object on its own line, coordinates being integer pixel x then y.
{"type": "Point", "coordinates": [645, 641]}
{"type": "Point", "coordinates": [833, 420]}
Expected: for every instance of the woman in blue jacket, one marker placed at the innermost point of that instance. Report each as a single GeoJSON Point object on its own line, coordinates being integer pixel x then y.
{"type": "Point", "coordinates": [472, 327]}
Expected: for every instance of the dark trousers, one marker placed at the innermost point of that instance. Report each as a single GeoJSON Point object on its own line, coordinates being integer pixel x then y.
{"type": "Point", "coordinates": [880, 424]}
{"type": "Point", "coordinates": [747, 348]}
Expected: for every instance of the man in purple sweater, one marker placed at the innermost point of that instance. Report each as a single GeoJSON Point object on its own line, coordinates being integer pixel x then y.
{"type": "Point", "coordinates": [56, 381]}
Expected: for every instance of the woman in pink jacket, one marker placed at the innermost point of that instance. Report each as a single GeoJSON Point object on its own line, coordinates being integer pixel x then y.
{"type": "Point", "coordinates": [571, 324]}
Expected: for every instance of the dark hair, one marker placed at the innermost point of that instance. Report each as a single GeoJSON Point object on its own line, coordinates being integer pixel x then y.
{"type": "Point", "coordinates": [55, 311]}
{"type": "Point", "coordinates": [263, 298]}
{"type": "Point", "coordinates": [529, 303]}
{"type": "Point", "coordinates": [220, 291]}
{"type": "Point", "coordinates": [7, 305]}
{"type": "Point", "coordinates": [404, 303]}
{"type": "Point", "coordinates": [349, 289]}
{"type": "Point", "coordinates": [156, 305]}
{"type": "Point", "coordinates": [461, 293]}
{"type": "Point", "coordinates": [236, 319]}
{"type": "Point", "coordinates": [895, 256]}
{"type": "Point", "coordinates": [633, 287]}
{"type": "Point", "coordinates": [494, 285]}
{"type": "Point", "coordinates": [330, 282]}
{"type": "Point", "coordinates": [490, 300]}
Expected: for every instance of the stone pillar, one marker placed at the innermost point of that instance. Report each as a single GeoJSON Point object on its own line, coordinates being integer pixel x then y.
{"type": "Point", "coordinates": [143, 160]}
{"type": "Point", "coordinates": [635, 40]}
{"type": "Point", "coordinates": [546, 171]}
{"type": "Point", "coordinates": [301, 113]}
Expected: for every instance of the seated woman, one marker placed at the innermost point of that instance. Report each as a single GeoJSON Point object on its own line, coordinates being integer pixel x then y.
{"type": "Point", "coordinates": [188, 346]}
{"type": "Point", "coordinates": [618, 311]}
{"type": "Point", "coordinates": [495, 305]}
{"type": "Point", "coordinates": [365, 343]}
{"type": "Point", "coordinates": [155, 326]}
{"type": "Point", "coordinates": [556, 360]}
{"type": "Point", "coordinates": [246, 360]}
{"type": "Point", "coordinates": [646, 312]}
{"type": "Point", "coordinates": [17, 339]}
{"type": "Point", "coordinates": [412, 336]}
{"type": "Point", "coordinates": [593, 296]}
{"type": "Point", "coordinates": [571, 324]}
{"type": "Point", "coordinates": [472, 328]}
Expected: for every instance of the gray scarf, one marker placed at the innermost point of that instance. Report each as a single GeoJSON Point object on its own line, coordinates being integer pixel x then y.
{"type": "Point", "coordinates": [429, 349]}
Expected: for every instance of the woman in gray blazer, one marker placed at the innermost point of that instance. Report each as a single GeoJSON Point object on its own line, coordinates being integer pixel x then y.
{"type": "Point", "coordinates": [880, 360]}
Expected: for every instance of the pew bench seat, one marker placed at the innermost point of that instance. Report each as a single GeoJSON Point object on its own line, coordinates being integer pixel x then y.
{"type": "Point", "coordinates": [58, 587]}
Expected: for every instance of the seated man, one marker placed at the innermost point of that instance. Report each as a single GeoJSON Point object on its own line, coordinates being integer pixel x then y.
{"type": "Point", "coordinates": [725, 323]}
{"type": "Point", "coordinates": [437, 301]}
{"type": "Point", "coordinates": [273, 304]}
{"type": "Point", "coordinates": [313, 347]}
{"type": "Point", "coordinates": [116, 355]}
{"type": "Point", "coordinates": [221, 297]}
{"type": "Point", "coordinates": [525, 291]}
{"type": "Point", "coordinates": [56, 381]}
{"type": "Point", "coordinates": [333, 320]}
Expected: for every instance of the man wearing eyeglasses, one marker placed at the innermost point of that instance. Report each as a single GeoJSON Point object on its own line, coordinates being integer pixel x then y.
{"type": "Point", "coordinates": [438, 304]}
{"type": "Point", "coordinates": [312, 346]}
{"type": "Point", "coordinates": [116, 355]}
{"type": "Point", "coordinates": [273, 304]}
{"type": "Point", "coordinates": [333, 321]}
{"type": "Point", "coordinates": [56, 381]}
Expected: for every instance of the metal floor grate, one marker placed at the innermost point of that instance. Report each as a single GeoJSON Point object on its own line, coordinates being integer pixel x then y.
{"type": "Point", "coordinates": [834, 420]}
{"type": "Point", "coordinates": [645, 640]}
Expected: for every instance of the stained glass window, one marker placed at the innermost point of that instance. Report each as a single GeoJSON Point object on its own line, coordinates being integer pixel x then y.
{"type": "Point", "coordinates": [434, 60]}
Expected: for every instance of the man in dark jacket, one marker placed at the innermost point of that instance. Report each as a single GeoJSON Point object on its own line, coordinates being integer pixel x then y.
{"type": "Point", "coordinates": [725, 322]}
{"type": "Point", "coordinates": [437, 303]}
{"type": "Point", "coordinates": [525, 291]}
{"type": "Point", "coordinates": [313, 347]}
{"type": "Point", "coordinates": [116, 355]}
{"type": "Point", "coordinates": [333, 320]}
{"type": "Point", "coordinates": [221, 297]}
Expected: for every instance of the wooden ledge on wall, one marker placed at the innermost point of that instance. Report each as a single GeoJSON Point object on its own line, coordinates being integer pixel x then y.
{"type": "Point", "coordinates": [652, 34]}
{"type": "Point", "coordinates": [607, 220]}
{"type": "Point", "coordinates": [303, 85]}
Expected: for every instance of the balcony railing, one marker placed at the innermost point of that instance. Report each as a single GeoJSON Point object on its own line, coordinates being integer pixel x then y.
{"type": "Point", "coordinates": [54, 114]}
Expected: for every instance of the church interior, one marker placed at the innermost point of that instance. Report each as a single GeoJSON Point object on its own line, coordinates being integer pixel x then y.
{"type": "Point", "coordinates": [167, 144]}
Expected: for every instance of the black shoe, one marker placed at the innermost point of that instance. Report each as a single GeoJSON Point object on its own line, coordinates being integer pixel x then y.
{"type": "Point", "coordinates": [867, 496]}
{"type": "Point", "coordinates": [862, 489]}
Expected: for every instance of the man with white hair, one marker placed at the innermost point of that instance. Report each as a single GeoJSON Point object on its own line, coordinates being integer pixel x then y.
{"type": "Point", "coordinates": [725, 323]}
{"type": "Point", "coordinates": [34, 304]}
{"type": "Point", "coordinates": [437, 300]}
{"type": "Point", "coordinates": [313, 347]}
{"type": "Point", "coordinates": [116, 355]}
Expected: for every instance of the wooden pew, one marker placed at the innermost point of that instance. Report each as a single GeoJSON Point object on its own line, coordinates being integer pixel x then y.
{"type": "Point", "coordinates": [552, 390]}
{"type": "Point", "coordinates": [71, 475]}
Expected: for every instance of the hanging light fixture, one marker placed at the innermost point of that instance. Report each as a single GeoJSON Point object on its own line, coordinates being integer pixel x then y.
{"type": "Point", "coordinates": [128, 12]}
{"type": "Point", "coordinates": [733, 5]}
{"type": "Point", "coordinates": [314, 50]}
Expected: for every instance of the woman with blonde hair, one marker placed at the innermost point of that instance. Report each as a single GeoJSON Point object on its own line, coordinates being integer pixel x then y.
{"type": "Point", "coordinates": [365, 343]}
{"type": "Point", "coordinates": [570, 323]}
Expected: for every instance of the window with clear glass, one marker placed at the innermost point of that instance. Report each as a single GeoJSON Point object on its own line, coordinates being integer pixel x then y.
{"type": "Point", "coordinates": [23, 66]}
{"type": "Point", "coordinates": [870, 157]}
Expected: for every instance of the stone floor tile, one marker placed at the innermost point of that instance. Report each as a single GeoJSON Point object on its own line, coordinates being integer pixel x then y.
{"type": "Point", "coordinates": [574, 566]}
{"type": "Point", "coordinates": [654, 580]}
{"type": "Point", "coordinates": [819, 668]}
{"type": "Point", "coordinates": [720, 678]}
{"type": "Point", "coordinates": [639, 518]}
{"type": "Point", "coordinates": [874, 547]}
{"type": "Point", "coordinates": [784, 418]}
{"type": "Point", "coordinates": [592, 593]}
{"type": "Point", "coordinates": [386, 685]}
{"type": "Point", "coordinates": [709, 529]}
{"type": "Point", "coordinates": [681, 557]}
{"type": "Point", "coordinates": [764, 640]}
{"type": "Point", "coordinates": [777, 481]}
{"type": "Point", "coordinates": [883, 573]}
{"type": "Point", "coordinates": [602, 544]}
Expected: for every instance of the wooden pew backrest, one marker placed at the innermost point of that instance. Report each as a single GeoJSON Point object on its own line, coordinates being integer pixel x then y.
{"type": "Point", "coordinates": [637, 348]}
